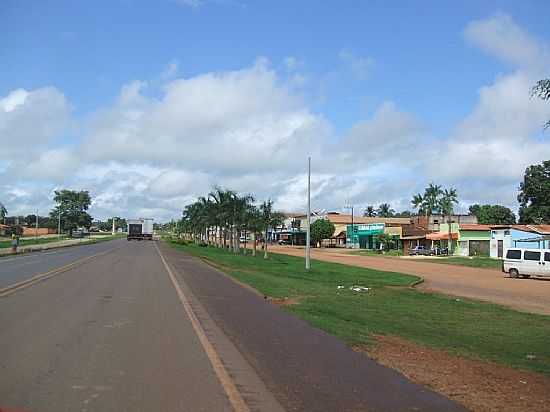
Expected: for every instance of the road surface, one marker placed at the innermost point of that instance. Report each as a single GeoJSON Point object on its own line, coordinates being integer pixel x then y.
{"type": "Point", "coordinates": [129, 330]}
{"type": "Point", "coordinates": [529, 295]}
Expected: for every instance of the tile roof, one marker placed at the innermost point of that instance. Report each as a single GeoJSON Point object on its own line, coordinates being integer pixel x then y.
{"type": "Point", "coordinates": [480, 228]}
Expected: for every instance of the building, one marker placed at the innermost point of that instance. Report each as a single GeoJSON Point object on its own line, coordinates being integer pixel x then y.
{"type": "Point", "coordinates": [433, 223]}
{"type": "Point", "coordinates": [525, 236]}
{"type": "Point", "coordinates": [466, 239]}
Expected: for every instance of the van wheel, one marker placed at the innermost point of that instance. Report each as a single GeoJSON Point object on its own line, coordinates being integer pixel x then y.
{"type": "Point", "coordinates": [513, 273]}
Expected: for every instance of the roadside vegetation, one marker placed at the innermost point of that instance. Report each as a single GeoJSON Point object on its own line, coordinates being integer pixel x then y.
{"type": "Point", "coordinates": [32, 241]}
{"type": "Point", "coordinates": [459, 326]}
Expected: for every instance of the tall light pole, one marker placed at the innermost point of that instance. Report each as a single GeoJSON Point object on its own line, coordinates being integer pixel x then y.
{"type": "Point", "coordinates": [59, 224]}
{"type": "Point", "coordinates": [36, 226]}
{"type": "Point", "coordinates": [350, 206]}
{"type": "Point", "coordinates": [308, 233]}
{"type": "Point", "coordinates": [113, 231]}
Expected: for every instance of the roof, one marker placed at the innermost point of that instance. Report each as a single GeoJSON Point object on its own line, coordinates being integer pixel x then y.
{"type": "Point", "coordinates": [477, 228]}
{"type": "Point", "coordinates": [542, 229]}
{"type": "Point", "coordinates": [441, 236]}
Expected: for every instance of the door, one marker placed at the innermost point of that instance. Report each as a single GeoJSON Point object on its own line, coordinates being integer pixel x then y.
{"type": "Point", "coordinates": [500, 248]}
{"type": "Point", "coordinates": [532, 264]}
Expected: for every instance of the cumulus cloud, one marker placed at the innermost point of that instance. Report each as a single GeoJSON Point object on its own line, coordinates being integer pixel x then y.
{"type": "Point", "coordinates": [502, 37]}
{"type": "Point", "coordinates": [153, 150]}
{"type": "Point", "coordinates": [31, 120]}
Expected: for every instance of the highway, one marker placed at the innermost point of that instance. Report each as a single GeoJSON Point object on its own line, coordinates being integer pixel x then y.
{"type": "Point", "coordinates": [139, 326]}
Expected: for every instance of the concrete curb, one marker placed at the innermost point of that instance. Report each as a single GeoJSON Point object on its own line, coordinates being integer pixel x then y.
{"type": "Point", "coordinates": [42, 248]}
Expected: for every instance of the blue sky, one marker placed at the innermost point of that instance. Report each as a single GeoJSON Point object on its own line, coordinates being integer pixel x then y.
{"type": "Point", "coordinates": [353, 69]}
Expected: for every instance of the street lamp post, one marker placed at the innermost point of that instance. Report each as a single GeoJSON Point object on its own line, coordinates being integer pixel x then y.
{"type": "Point", "coordinates": [350, 206]}
{"type": "Point", "coordinates": [36, 226]}
{"type": "Point", "coordinates": [308, 233]}
{"type": "Point", "coordinates": [59, 225]}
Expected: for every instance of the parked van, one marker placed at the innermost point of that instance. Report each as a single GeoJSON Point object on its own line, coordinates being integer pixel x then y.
{"type": "Point", "coordinates": [527, 262]}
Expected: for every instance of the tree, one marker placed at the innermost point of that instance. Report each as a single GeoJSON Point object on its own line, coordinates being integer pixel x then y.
{"type": "Point", "coordinates": [269, 219]}
{"type": "Point", "coordinates": [369, 212]}
{"type": "Point", "coordinates": [493, 214]}
{"type": "Point", "coordinates": [542, 90]}
{"type": "Point", "coordinates": [447, 201]}
{"type": "Point", "coordinates": [321, 229]}
{"type": "Point", "coordinates": [404, 213]}
{"type": "Point", "coordinates": [429, 203]}
{"type": "Point", "coordinates": [72, 206]}
{"type": "Point", "coordinates": [386, 241]}
{"type": "Point", "coordinates": [3, 212]}
{"type": "Point", "coordinates": [385, 210]}
{"type": "Point", "coordinates": [534, 196]}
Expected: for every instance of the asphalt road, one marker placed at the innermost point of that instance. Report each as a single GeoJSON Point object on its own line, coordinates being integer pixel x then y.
{"type": "Point", "coordinates": [131, 331]}
{"type": "Point", "coordinates": [17, 268]}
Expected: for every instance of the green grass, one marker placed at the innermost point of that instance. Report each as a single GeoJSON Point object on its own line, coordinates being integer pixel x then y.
{"type": "Point", "coordinates": [475, 262]}
{"type": "Point", "coordinates": [31, 241]}
{"type": "Point", "coordinates": [460, 326]}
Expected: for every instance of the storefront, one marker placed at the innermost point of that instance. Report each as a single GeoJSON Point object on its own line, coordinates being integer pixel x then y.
{"type": "Point", "coordinates": [366, 236]}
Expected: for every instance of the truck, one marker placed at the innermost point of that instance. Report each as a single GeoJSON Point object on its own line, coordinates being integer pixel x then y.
{"type": "Point", "coordinates": [140, 229]}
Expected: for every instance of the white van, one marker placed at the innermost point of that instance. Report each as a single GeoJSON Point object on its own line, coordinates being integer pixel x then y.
{"type": "Point", "coordinates": [527, 262]}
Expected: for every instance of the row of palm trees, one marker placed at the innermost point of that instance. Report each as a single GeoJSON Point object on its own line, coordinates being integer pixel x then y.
{"type": "Point", "coordinates": [220, 218]}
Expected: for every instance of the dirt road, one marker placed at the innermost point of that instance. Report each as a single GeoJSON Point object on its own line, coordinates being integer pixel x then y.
{"type": "Point", "coordinates": [530, 295]}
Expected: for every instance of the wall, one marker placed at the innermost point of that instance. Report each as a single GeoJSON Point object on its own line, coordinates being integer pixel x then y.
{"type": "Point", "coordinates": [497, 235]}
{"type": "Point", "coordinates": [41, 231]}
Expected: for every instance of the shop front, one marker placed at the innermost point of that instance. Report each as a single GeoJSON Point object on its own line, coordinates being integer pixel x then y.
{"type": "Point", "coordinates": [363, 236]}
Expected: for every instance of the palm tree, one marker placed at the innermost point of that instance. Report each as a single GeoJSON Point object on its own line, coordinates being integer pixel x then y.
{"type": "Point", "coordinates": [3, 212]}
{"type": "Point", "coordinates": [369, 212]}
{"type": "Point", "coordinates": [418, 203]}
{"type": "Point", "coordinates": [269, 219]}
{"type": "Point", "coordinates": [385, 210]}
{"type": "Point", "coordinates": [446, 205]}
{"type": "Point", "coordinates": [431, 199]}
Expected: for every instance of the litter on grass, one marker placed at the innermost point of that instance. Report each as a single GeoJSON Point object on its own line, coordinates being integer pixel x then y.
{"type": "Point", "coordinates": [340, 287]}
{"type": "Point", "coordinates": [359, 289]}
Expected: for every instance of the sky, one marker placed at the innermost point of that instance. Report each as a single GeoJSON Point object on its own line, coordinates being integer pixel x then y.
{"type": "Point", "coordinates": [149, 104]}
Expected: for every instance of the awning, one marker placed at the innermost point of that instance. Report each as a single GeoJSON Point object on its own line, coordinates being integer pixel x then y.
{"type": "Point", "coordinates": [442, 236]}
{"type": "Point", "coordinates": [413, 237]}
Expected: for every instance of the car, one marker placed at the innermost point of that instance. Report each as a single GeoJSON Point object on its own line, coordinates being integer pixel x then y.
{"type": "Point", "coordinates": [527, 263]}
{"type": "Point", "coordinates": [420, 250]}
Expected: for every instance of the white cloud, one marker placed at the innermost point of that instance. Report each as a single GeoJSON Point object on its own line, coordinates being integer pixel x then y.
{"type": "Point", "coordinates": [252, 131]}
{"type": "Point", "coordinates": [500, 36]}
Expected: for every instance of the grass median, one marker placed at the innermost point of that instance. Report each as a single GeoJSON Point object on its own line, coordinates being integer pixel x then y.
{"type": "Point", "coordinates": [32, 241]}
{"type": "Point", "coordinates": [390, 307]}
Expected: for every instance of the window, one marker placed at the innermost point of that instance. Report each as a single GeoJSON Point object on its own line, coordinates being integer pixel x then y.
{"type": "Point", "coordinates": [506, 233]}
{"type": "Point", "coordinates": [513, 254]}
{"type": "Point", "coordinates": [547, 256]}
{"type": "Point", "coordinates": [528, 255]}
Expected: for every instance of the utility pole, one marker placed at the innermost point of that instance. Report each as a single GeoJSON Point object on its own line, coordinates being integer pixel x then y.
{"type": "Point", "coordinates": [113, 231]}
{"type": "Point", "coordinates": [350, 206]}
{"type": "Point", "coordinates": [36, 226]}
{"type": "Point", "coordinates": [308, 233]}
{"type": "Point", "coordinates": [59, 224]}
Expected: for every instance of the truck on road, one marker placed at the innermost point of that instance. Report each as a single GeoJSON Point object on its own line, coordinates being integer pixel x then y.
{"type": "Point", "coordinates": [140, 229]}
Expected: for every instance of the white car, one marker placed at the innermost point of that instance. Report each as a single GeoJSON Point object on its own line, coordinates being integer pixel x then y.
{"type": "Point", "coordinates": [527, 262]}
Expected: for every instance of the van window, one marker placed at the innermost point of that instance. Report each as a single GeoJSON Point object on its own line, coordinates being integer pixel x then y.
{"type": "Point", "coordinates": [528, 255]}
{"type": "Point", "coordinates": [513, 254]}
{"type": "Point", "coordinates": [547, 256]}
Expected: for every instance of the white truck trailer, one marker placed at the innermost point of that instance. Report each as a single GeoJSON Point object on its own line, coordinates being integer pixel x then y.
{"type": "Point", "coordinates": [140, 229]}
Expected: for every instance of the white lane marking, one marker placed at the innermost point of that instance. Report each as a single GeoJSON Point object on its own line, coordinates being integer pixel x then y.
{"type": "Point", "coordinates": [229, 387]}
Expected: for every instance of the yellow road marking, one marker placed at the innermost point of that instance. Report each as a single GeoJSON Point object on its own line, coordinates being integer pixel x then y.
{"type": "Point", "coordinates": [229, 387]}
{"type": "Point", "coordinates": [43, 276]}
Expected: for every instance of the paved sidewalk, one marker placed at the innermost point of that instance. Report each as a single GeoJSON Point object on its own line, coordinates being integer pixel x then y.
{"type": "Point", "coordinates": [530, 295]}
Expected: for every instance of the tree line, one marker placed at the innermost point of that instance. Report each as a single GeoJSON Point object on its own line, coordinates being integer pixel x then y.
{"type": "Point", "coordinates": [219, 218]}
